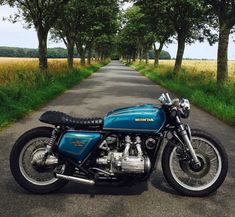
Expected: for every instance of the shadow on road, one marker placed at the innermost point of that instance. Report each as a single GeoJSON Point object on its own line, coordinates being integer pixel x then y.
{"type": "Point", "coordinates": [157, 180]}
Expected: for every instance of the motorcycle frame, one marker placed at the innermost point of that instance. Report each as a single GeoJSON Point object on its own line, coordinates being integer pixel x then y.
{"type": "Point", "coordinates": [80, 164]}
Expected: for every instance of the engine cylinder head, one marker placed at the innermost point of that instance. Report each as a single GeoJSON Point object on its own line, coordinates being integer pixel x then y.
{"type": "Point", "coordinates": [128, 139]}
{"type": "Point", "coordinates": [137, 140]}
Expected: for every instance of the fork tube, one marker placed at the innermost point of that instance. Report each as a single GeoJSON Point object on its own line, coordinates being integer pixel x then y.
{"type": "Point", "coordinates": [187, 141]}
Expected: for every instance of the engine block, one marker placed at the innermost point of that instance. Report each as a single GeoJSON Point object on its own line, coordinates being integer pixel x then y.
{"type": "Point", "coordinates": [124, 162]}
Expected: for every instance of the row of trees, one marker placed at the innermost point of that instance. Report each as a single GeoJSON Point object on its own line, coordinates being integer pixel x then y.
{"type": "Point", "coordinates": [29, 52]}
{"type": "Point", "coordinates": [87, 25]}
{"type": "Point", "coordinates": [151, 21]}
{"type": "Point", "coordinates": [91, 25]}
{"type": "Point", "coordinates": [59, 52]}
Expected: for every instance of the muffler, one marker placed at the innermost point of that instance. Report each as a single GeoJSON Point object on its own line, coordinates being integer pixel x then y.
{"type": "Point", "coordinates": [75, 179]}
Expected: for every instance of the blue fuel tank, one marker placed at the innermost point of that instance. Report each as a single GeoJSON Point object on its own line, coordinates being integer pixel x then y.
{"type": "Point", "coordinates": [140, 119]}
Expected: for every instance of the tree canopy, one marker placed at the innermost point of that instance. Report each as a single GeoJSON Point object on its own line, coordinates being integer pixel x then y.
{"type": "Point", "coordinates": [42, 15]}
{"type": "Point", "coordinates": [88, 24]}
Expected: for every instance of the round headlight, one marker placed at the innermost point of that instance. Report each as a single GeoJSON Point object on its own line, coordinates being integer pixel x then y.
{"type": "Point", "coordinates": [185, 108]}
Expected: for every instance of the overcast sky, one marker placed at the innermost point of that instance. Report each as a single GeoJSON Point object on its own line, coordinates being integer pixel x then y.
{"type": "Point", "coordinates": [17, 36]}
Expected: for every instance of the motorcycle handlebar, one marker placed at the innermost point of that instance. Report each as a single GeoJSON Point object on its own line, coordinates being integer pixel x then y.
{"type": "Point", "coordinates": [165, 99]}
{"type": "Point", "coordinates": [182, 105]}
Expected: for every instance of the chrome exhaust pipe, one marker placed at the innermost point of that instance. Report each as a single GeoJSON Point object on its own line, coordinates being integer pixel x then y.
{"type": "Point", "coordinates": [75, 179]}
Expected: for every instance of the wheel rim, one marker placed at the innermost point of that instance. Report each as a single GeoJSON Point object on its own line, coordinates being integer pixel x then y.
{"type": "Point", "coordinates": [197, 180]}
{"type": "Point", "coordinates": [25, 163]}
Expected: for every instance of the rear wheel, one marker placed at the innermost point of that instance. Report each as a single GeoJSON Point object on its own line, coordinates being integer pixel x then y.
{"type": "Point", "coordinates": [29, 148]}
{"type": "Point", "coordinates": [188, 180]}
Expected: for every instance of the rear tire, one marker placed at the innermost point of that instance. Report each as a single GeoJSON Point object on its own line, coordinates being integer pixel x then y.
{"type": "Point", "coordinates": [20, 175]}
{"type": "Point", "coordinates": [189, 190]}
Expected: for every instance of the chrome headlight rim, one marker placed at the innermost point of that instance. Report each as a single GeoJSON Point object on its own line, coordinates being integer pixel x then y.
{"type": "Point", "coordinates": [185, 108]}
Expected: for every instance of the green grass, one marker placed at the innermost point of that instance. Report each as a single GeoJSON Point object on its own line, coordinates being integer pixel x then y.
{"type": "Point", "coordinates": [201, 89]}
{"type": "Point", "coordinates": [31, 90]}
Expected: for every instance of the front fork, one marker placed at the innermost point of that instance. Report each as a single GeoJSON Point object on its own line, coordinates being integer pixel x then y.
{"type": "Point", "coordinates": [186, 137]}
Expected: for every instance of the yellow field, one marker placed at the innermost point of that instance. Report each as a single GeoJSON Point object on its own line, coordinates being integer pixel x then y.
{"type": "Point", "coordinates": [10, 68]}
{"type": "Point", "coordinates": [12, 64]}
{"type": "Point", "coordinates": [200, 66]}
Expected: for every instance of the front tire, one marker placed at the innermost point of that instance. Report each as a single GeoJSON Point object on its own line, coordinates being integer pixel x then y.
{"type": "Point", "coordinates": [20, 163]}
{"type": "Point", "coordinates": [184, 178]}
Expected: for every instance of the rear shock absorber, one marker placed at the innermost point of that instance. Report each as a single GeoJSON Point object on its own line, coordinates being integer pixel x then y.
{"type": "Point", "coordinates": [52, 140]}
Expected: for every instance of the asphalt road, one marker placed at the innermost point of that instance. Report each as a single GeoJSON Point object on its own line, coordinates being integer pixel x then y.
{"type": "Point", "coordinates": [114, 86]}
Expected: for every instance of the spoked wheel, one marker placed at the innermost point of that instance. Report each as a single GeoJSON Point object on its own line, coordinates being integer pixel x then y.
{"type": "Point", "coordinates": [184, 177]}
{"type": "Point", "coordinates": [32, 153]}
{"type": "Point", "coordinates": [25, 162]}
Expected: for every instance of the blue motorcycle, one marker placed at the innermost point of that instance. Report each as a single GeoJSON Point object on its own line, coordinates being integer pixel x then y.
{"type": "Point", "coordinates": [120, 149]}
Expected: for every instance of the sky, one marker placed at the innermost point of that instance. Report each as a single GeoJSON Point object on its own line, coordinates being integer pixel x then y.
{"type": "Point", "coordinates": [15, 35]}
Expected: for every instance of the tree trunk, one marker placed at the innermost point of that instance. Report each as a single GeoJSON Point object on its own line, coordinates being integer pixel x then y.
{"type": "Point", "coordinates": [96, 57]}
{"type": "Point", "coordinates": [89, 56]}
{"type": "Point", "coordinates": [83, 59]}
{"type": "Point", "coordinates": [102, 56]}
{"type": "Point", "coordinates": [82, 53]}
{"type": "Point", "coordinates": [157, 53]}
{"type": "Point", "coordinates": [222, 57]}
{"type": "Point", "coordinates": [70, 49]}
{"type": "Point", "coordinates": [134, 58]}
{"type": "Point", "coordinates": [42, 49]}
{"type": "Point", "coordinates": [146, 57]}
{"type": "Point", "coordinates": [180, 54]}
{"type": "Point", "coordinates": [99, 55]}
{"type": "Point", "coordinates": [140, 55]}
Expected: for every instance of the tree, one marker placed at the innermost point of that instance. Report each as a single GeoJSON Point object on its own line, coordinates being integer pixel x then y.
{"type": "Point", "coordinates": [96, 27]}
{"type": "Point", "coordinates": [105, 28]}
{"type": "Point", "coordinates": [84, 25]}
{"type": "Point", "coordinates": [65, 28]}
{"type": "Point", "coordinates": [164, 55]}
{"type": "Point", "coordinates": [187, 17]}
{"type": "Point", "coordinates": [87, 24]}
{"type": "Point", "coordinates": [104, 45]}
{"type": "Point", "coordinates": [74, 27]}
{"type": "Point", "coordinates": [41, 14]}
{"type": "Point", "coordinates": [159, 25]}
{"type": "Point", "coordinates": [225, 13]}
{"type": "Point", "coordinates": [134, 34]}
{"type": "Point", "coordinates": [147, 43]}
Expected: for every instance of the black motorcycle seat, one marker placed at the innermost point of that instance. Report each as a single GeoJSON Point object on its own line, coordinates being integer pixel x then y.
{"type": "Point", "coordinates": [62, 119]}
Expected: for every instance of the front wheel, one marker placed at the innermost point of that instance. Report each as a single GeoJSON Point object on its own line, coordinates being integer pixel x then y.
{"type": "Point", "coordinates": [191, 181]}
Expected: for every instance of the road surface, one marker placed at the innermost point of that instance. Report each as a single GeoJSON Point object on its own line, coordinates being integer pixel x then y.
{"type": "Point", "coordinates": [115, 85]}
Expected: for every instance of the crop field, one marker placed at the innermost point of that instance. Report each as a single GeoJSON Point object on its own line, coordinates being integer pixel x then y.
{"type": "Point", "coordinates": [23, 87]}
{"type": "Point", "coordinates": [206, 67]}
{"type": "Point", "coordinates": [13, 68]}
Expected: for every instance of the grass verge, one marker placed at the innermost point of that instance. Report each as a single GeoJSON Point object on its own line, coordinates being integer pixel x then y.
{"type": "Point", "coordinates": [200, 88]}
{"type": "Point", "coordinates": [33, 89]}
